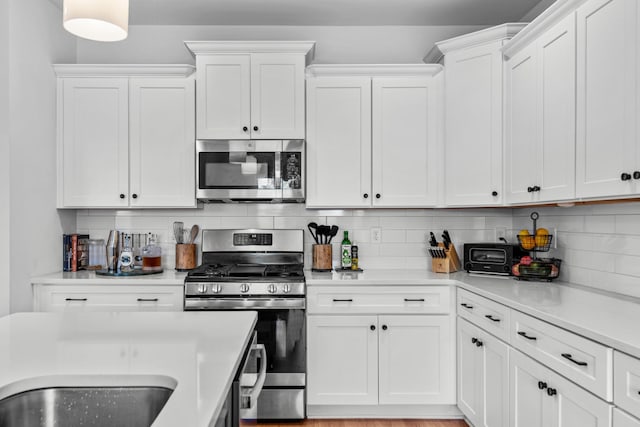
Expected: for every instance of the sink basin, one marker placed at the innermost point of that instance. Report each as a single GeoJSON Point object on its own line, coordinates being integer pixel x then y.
{"type": "Point", "coordinates": [84, 406]}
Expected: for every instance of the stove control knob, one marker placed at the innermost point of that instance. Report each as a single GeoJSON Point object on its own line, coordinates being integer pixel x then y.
{"type": "Point", "coordinates": [286, 288]}
{"type": "Point", "coordinates": [244, 288]}
{"type": "Point", "coordinates": [216, 288]}
{"type": "Point", "coordinates": [202, 288]}
{"type": "Point", "coordinates": [272, 288]}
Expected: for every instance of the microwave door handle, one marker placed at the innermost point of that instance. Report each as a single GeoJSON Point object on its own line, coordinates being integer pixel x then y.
{"type": "Point", "coordinates": [278, 172]}
{"type": "Point", "coordinates": [251, 395]}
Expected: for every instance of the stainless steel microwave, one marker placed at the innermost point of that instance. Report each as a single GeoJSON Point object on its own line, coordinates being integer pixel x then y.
{"type": "Point", "coordinates": [250, 170]}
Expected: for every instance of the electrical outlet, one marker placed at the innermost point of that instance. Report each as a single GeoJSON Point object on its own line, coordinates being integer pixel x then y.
{"type": "Point", "coordinates": [501, 233]}
{"type": "Point", "coordinates": [376, 235]}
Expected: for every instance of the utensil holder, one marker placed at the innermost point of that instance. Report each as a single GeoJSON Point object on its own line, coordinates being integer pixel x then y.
{"type": "Point", "coordinates": [186, 256]}
{"type": "Point", "coordinates": [449, 264]}
{"type": "Point", "coordinates": [322, 257]}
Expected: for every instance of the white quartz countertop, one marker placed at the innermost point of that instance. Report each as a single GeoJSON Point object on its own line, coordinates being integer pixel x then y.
{"type": "Point", "coordinates": [196, 353]}
{"type": "Point", "coordinates": [167, 278]}
{"type": "Point", "coordinates": [607, 318]}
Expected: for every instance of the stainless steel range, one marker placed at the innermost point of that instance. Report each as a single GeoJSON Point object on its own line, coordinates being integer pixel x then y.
{"type": "Point", "coordinates": [260, 270]}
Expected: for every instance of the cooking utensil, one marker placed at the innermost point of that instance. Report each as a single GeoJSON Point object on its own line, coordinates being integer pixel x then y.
{"type": "Point", "coordinates": [323, 232]}
{"type": "Point", "coordinates": [445, 241]}
{"type": "Point", "coordinates": [178, 231]}
{"type": "Point", "coordinates": [432, 240]}
{"type": "Point", "coordinates": [313, 229]}
{"type": "Point", "coordinates": [332, 232]}
{"type": "Point", "coordinates": [195, 229]}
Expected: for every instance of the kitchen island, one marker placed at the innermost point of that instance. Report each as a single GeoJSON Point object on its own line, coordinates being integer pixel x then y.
{"type": "Point", "coordinates": [195, 354]}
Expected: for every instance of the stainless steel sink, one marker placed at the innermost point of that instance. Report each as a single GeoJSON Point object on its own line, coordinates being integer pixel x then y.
{"type": "Point", "coordinates": [84, 406]}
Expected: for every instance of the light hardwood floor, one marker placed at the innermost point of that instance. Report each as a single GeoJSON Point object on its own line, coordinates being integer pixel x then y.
{"type": "Point", "coordinates": [372, 423]}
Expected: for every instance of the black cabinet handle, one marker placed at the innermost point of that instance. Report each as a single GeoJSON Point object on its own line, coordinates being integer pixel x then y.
{"type": "Point", "coordinates": [414, 299]}
{"type": "Point", "coordinates": [577, 362]}
{"type": "Point", "coordinates": [494, 193]}
{"type": "Point", "coordinates": [465, 305]}
{"type": "Point", "coordinates": [490, 317]}
{"type": "Point", "coordinates": [552, 391]}
{"type": "Point", "coordinates": [75, 299]}
{"type": "Point", "coordinates": [378, 195]}
{"type": "Point", "coordinates": [476, 341]}
{"type": "Point", "coordinates": [121, 196]}
{"type": "Point", "coordinates": [244, 128]}
{"type": "Point", "coordinates": [342, 300]}
{"type": "Point", "coordinates": [530, 189]}
{"type": "Point", "coordinates": [636, 175]}
{"type": "Point", "coordinates": [255, 128]}
{"type": "Point", "coordinates": [542, 385]}
{"type": "Point", "coordinates": [365, 195]}
{"type": "Point", "coordinates": [524, 334]}
{"type": "Point", "coordinates": [135, 196]}
{"type": "Point", "coordinates": [625, 176]}
{"type": "Point", "coordinates": [147, 299]}
{"type": "Point", "coordinates": [372, 327]}
{"type": "Point", "coordinates": [384, 327]}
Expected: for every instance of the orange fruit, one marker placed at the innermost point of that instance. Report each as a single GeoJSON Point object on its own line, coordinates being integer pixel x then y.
{"type": "Point", "coordinates": [527, 242]}
{"type": "Point", "coordinates": [542, 236]}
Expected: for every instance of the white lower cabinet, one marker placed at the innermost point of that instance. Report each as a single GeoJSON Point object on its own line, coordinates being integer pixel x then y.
{"type": "Point", "coordinates": [107, 298]}
{"type": "Point", "coordinates": [483, 377]}
{"type": "Point", "coordinates": [622, 419]}
{"type": "Point", "coordinates": [542, 398]}
{"type": "Point", "coordinates": [377, 359]}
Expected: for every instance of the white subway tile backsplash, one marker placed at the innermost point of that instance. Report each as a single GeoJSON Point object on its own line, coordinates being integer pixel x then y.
{"type": "Point", "coordinates": [394, 236]}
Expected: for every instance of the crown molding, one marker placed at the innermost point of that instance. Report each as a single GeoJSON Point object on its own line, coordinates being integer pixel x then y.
{"type": "Point", "coordinates": [374, 70]}
{"type": "Point", "coordinates": [123, 70]}
{"type": "Point", "coordinates": [547, 19]}
{"type": "Point", "coordinates": [434, 56]}
{"type": "Point", "coordinates": [306, 48]}
{"type": "Point", "coordinates": [487, 35]}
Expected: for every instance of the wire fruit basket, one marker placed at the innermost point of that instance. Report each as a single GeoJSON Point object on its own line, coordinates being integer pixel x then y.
{"type": "Point", "coordinates": [536, 268]}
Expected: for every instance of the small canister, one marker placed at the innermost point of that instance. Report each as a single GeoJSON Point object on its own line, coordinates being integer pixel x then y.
{"type": "Point", "coordinates": [185, 256]}
{"type": "Point", "coordinates": [322, 258]}
{"type": "Point", "coordinates": [97, 254]}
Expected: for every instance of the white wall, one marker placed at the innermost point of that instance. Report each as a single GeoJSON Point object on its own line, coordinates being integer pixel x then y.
{"type": "Point", "coordinates": [4, 156]}
{"type": "Point", "coordinates": [37, 40]}
{"type": "Point", "coordinates": [599, 244]}
{"type": "Point", "coordinates": [537, 10]}
{"type": "Point", "coordinates": [381, 44]}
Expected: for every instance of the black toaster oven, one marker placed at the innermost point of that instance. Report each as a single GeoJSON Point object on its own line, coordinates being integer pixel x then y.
{"type": "Point", "coordinates": [493, 258]}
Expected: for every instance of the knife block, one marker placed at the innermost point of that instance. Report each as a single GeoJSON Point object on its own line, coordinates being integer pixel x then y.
{"type": "Point", "coordinates": [449, 264]}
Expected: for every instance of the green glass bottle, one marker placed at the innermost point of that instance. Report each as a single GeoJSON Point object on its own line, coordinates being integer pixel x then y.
{"type": "Point", "coordinates": [345, 251]}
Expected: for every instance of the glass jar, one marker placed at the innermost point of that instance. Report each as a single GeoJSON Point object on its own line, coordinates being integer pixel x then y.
{"type": "Point", "coordinates": [152, 255]}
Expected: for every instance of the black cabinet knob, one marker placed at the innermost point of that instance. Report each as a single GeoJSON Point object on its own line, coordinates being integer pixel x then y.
{"type": "Point", "coordinates": [122, 196]}
{"type": "Point", "coordinates": [377, 195]}
{"type": "Point", "coordinates": [245, 128]}
{"type": "Point", "coordinates": [255, 128]}
{"type": "Point", "coordinates": [552, 391]}
{"type": "Point", "coordinates": [636, 175]}
{"type": "Point", "coordinates": [365, 195]}
{"type": "Point", "coordinates": [479, 343]}
{"type": "Point", "coordinates": [530, 189]}
{"type": "Point", "coordinates": [494, 193]}
{"type": "Point", "coordinates": [536, 188]}
{"type": "Point", "coordinates": [625, 177]}
{"type": "Point", "coordinates": [384, 327]}
{"type": "Point", "coordinates": [372, 327]}
{"type": "Point", "coordinates": [135, 196]}
{"type": "Point", "coordinates": [474, 340]}
{"type": "Point", "coordinates": [542, 385]}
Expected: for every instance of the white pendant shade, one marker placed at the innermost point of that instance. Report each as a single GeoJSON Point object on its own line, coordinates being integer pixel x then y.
{"type": "Point", "coordinates": [101, 20]}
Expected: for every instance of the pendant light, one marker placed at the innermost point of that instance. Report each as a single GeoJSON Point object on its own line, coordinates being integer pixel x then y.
{"type": "Point", "coordinates": [100, 20]}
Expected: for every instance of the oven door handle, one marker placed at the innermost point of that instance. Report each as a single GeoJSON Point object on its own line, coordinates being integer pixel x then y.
{"type": "Point", "coordinates": [250, 394]}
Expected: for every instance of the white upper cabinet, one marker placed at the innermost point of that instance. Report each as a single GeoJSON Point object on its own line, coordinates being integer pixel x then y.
{"type": "Point", "coordinates": [250, 90]}
{"type": "Point", "coordinates": [473, 116]}
{"type": "Point", "coordinates": [373, 136]}
{"type": "Point", "coordinates": [608, 156]}
{"type": "Point", "coordinates": [126, 136]}
{"type": "Point", "coordinates": [540, 135]}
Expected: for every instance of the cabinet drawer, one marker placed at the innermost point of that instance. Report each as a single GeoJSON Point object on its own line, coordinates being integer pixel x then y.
{"type": "Point", "coordinates": [487, 314]}
{"type": "Point", "coordinates": [626, 381]}
{"type": "Point", "coordinates": [583, 361]}
{"type": "Point", "coordinates": [108, 298]}
{"type": "Point", "coordinates": [379, 299]}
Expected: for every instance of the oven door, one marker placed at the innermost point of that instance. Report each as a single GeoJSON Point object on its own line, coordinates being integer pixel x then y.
{"type": "Point", "coordinates": [248, 385]}
{"type": "Point", "coordinates": [242, 170]}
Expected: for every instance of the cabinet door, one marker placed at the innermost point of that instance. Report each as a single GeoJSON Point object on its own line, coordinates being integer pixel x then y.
{"type": "Point", "coordinates": [416, 362]}
{"type": "Point", "coordinates": [342, 360]}
{"type": "Point", "coordinates": [339, 142]}
{"type": "Point", "coordinates": [473, 126]}
{"type": "Point", "coordinates": [93, 148]}
{"type": "Point", "coordinates": [277, 96]}
{"type": "Point", "coordinates": [527, 395]}
{"type": "Point", "coordinates": [223, 102]}
{"type": "Point", "coordinates": [522, 130]}
{"type": "Point", "coordinates": [405, 161]}
{"type": "Point", "coordinates": [557, 68]}
{"type": "Point", "coordinates": [162, 141]}
{"type": "Point", "coordinates": [470, 373]}
{"type": "Point", "coordinates": [622, 419]}
{"type": "Point", "coordinates": [607, 94]}
{"type": "Point", "coordinates": [495, 381]}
